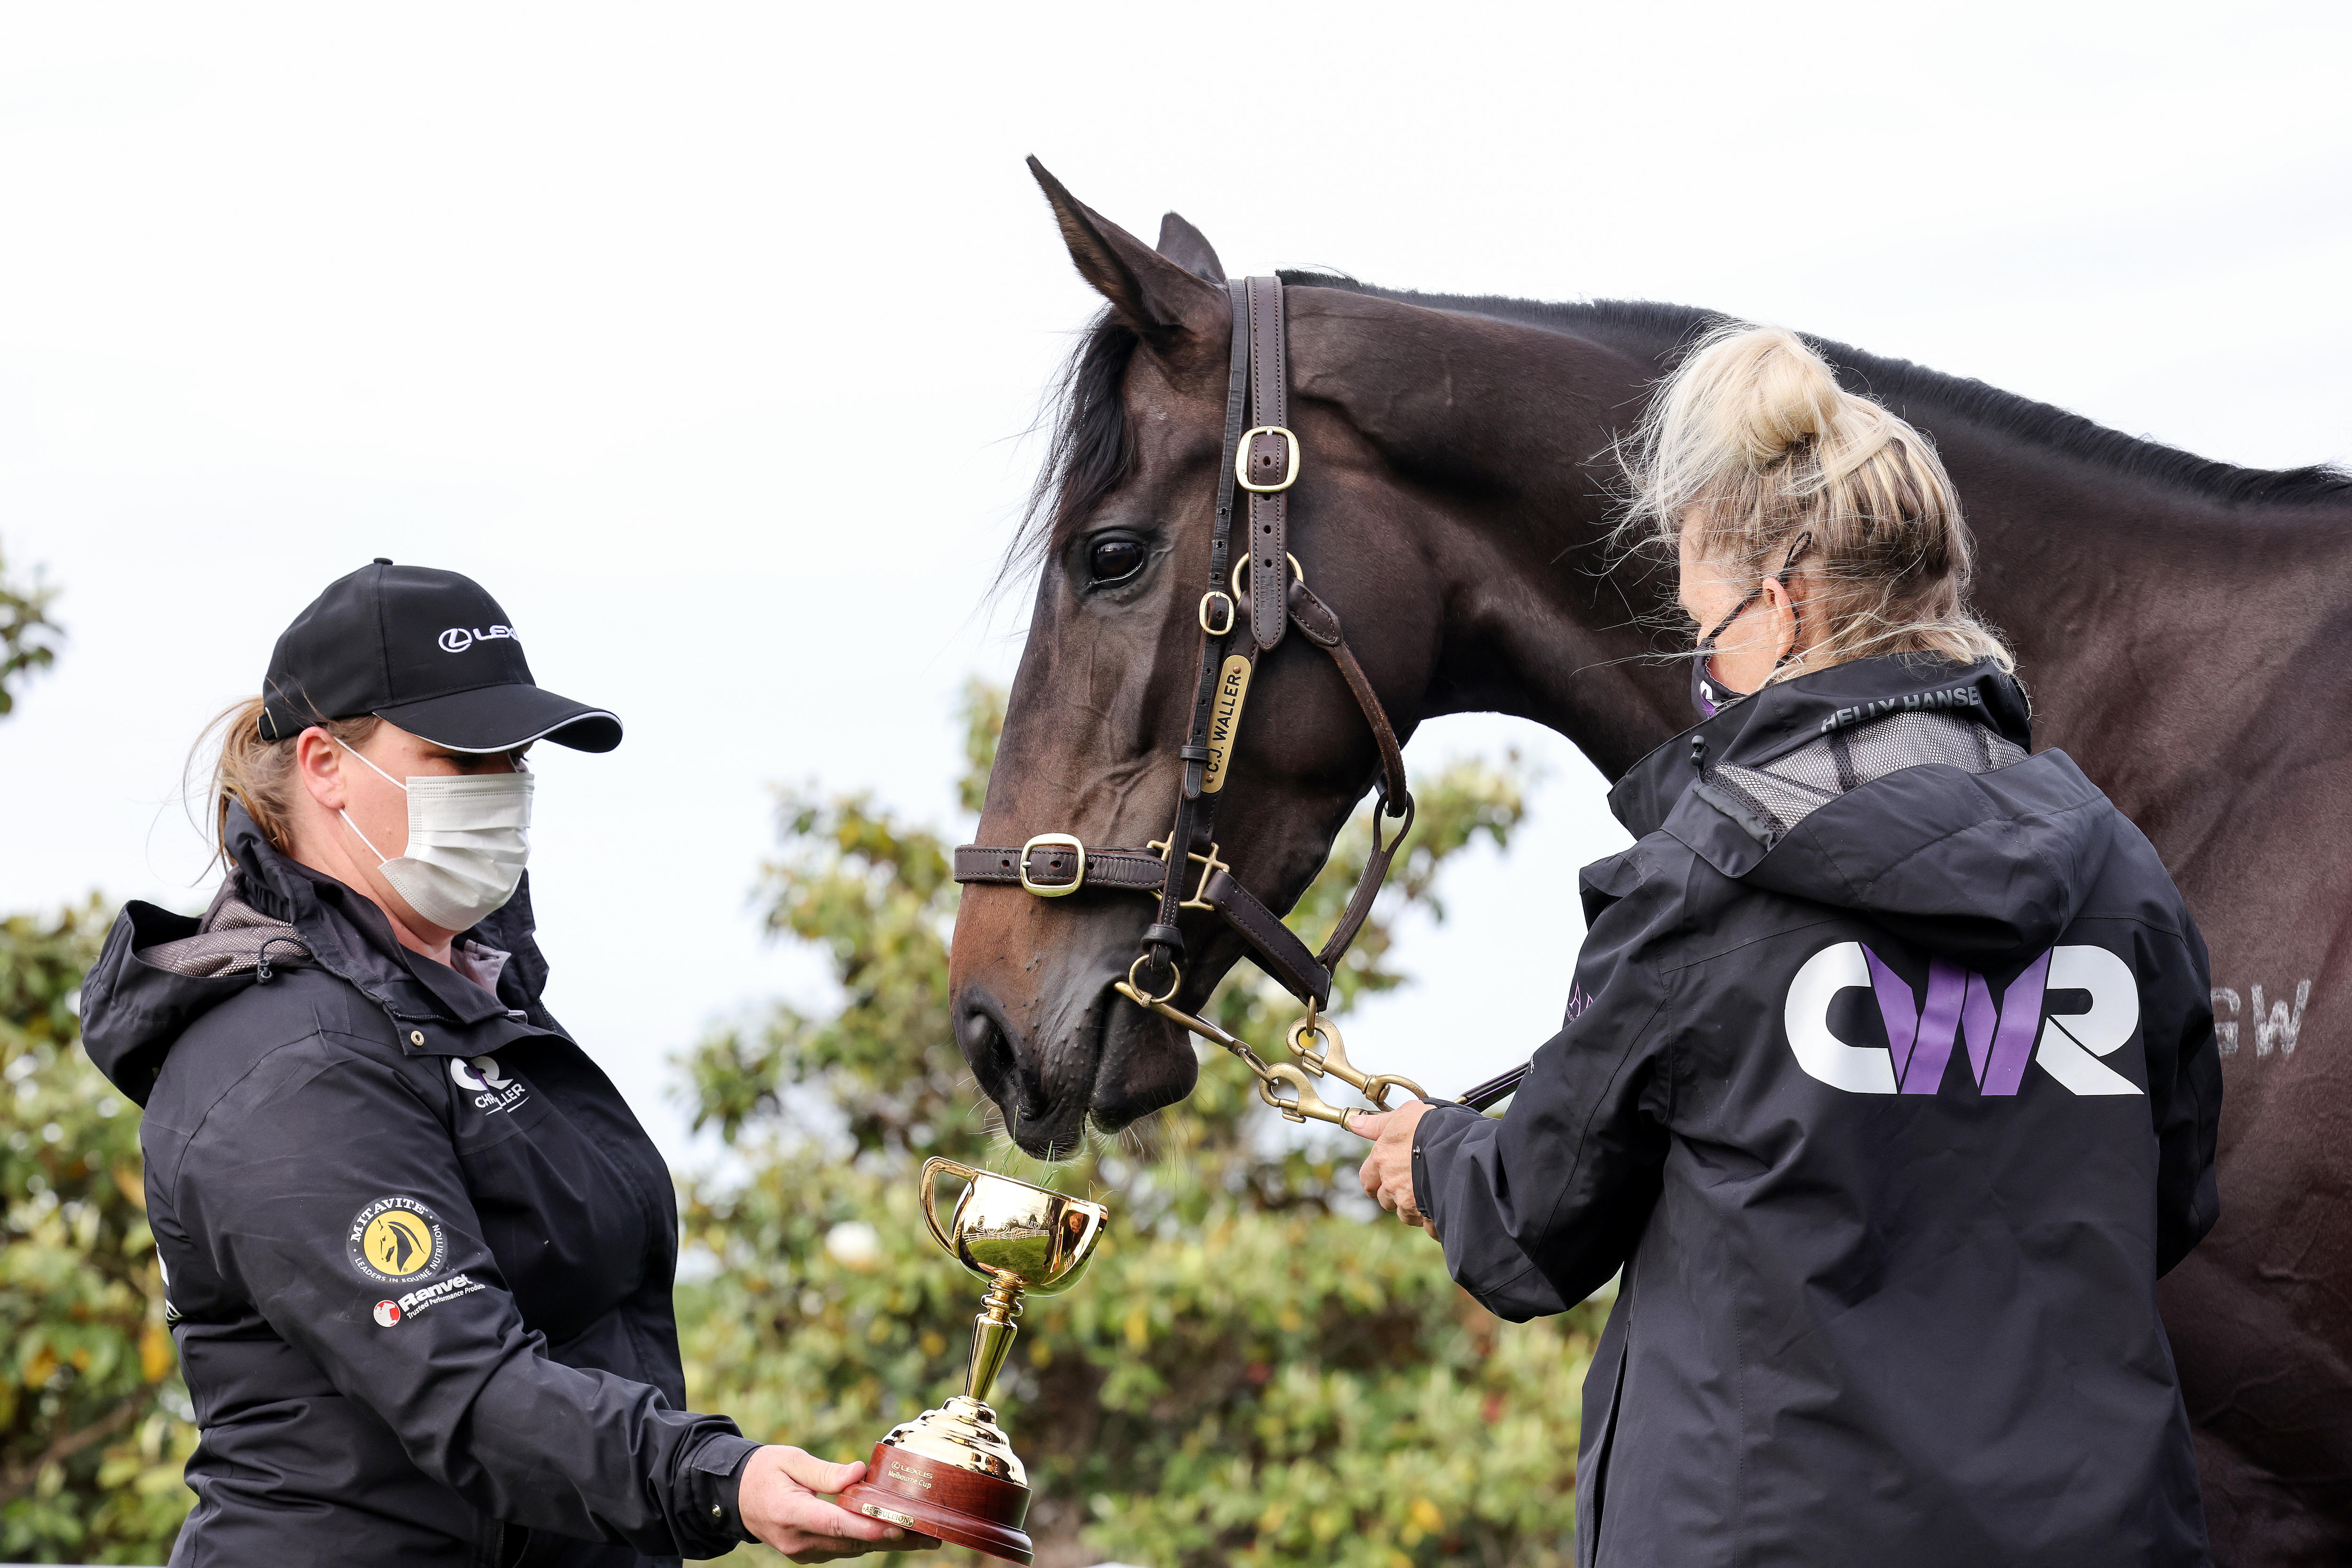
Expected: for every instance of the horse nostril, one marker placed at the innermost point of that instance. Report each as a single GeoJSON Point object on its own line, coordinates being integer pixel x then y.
{"type": "Point", "coordinates": [988, 1047]}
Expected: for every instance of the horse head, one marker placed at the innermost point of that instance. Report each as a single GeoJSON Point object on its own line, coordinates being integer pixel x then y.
{"type": "Point", "coordinates": [1452, 509]}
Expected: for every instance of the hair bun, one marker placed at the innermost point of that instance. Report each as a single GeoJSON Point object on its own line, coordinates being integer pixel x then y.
{"type": "Point", "coordinates": [1767, 393]}
{"type": "Point", "coordinates": [1751, 453]}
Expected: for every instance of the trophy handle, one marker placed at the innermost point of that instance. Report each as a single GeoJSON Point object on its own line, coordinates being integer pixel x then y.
{"type": "Point", "coordinates": [931, 1168]}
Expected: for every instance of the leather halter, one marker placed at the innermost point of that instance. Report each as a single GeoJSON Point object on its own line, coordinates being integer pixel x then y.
{"type": "Point", "coordinates": [1261, 457]}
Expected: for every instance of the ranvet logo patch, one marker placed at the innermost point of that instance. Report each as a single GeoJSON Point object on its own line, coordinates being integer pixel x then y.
{"type": "Point", "coordinates": [395, 1239]}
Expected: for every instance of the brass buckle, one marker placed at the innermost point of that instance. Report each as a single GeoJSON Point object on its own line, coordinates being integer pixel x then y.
{"type": "Point", "coordinates": [1039, 890]}
{"type": "Point", "coordinates": [1217, 631]}
{"type": "Point", "coordinates": [1242, 566]}
{"type": "Point", "coordinates": [1210, 866]}
{"type": "Point", "coordinates": [1241, 459]}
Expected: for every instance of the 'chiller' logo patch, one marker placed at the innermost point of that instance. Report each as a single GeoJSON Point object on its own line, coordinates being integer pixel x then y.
{"type": "Point", "coordinates": [395, 1239]}
{"type": "Point", "coordinates": [493, 1091]}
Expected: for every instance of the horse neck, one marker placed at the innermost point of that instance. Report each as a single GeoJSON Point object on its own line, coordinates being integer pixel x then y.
{"type": "Point", "coordinates": [2130, 598]}
{"type": "Point", "coordinates": [1538, 626]}
{"type": "Point", "coordinates": [1502, 433]}
{"type": "Point", "coordinates": [2158, 627]}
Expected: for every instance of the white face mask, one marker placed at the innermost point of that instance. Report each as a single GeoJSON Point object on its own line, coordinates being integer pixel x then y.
{"type": "Point", "coordinates": [468, 838]}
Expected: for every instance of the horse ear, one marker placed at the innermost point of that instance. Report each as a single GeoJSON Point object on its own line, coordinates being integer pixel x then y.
{"type": "Point", "coordinates": [1156, 295]}
{"type": "Point", "coordinates": [1189, 248]}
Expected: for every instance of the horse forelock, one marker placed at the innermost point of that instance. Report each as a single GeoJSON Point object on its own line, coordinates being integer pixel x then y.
{"type": "Point", "coordinates": [1091, 452]}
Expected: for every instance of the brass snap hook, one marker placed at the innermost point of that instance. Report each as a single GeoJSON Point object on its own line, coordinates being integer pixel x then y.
{"type": "Point", "coordinates": [1329, 1054]}
{"type": "Point", "coordinates": [1304, 1105]}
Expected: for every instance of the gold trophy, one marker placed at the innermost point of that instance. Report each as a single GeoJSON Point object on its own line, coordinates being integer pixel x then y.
{"type": "Point", "coordinates": [950, 1472]}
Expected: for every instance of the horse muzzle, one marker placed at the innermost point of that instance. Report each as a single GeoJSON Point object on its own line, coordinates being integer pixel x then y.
{"type": "Point", "coordinates": [1093, 1061]}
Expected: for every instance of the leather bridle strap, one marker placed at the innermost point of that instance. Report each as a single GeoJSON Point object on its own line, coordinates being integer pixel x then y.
{"type": "Point", "coordinates": [1196, 806]}
{"type": "Point", "coordinates": [1272, 463]}
{"type": "Point", "coordinates": [1263, 460]}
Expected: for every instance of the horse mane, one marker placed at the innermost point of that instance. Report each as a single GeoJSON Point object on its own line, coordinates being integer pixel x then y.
{"type": "Point", "coordinates": [1092, 451]}
{"type": "Point", "coordinates": [1664, 332]}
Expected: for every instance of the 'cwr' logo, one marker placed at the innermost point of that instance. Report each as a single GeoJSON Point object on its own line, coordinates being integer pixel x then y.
{"type": "Point", "coordinates": [2003, 1033]}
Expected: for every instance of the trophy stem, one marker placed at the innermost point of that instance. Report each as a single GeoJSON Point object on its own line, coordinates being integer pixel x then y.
{"type": "Point", "coordinates": [992, 1336]}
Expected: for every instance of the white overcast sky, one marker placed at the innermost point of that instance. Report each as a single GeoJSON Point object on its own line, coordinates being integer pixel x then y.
{"type": "Point", "coordinates": [706, 337]}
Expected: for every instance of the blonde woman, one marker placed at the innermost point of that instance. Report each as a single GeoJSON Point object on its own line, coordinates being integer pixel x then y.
{"type": "Point", "coordinates": [417, 1251]}
{"type": "Point", "coordinates": [1888, 1080]}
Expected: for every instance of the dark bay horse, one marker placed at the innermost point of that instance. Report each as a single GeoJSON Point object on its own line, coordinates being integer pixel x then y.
{"type": "Point", "coordinates": [2177, 621]}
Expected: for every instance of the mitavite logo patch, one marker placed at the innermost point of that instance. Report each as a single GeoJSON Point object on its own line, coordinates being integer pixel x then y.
{"type": "Point", "coordinates": [395, 1239]}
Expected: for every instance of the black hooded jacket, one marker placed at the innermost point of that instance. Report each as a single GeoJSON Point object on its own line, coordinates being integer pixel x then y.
{"type": "Point", "coordinates": [418, 1253]}
{"type": "Point", "coordinates": [1889, 1081]}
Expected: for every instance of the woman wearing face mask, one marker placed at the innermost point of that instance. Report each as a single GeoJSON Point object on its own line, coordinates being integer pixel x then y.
{"type": "Point", "coordinates": [417, 1252]}
{"type": "Point", "coordinates": [1888, 1080]}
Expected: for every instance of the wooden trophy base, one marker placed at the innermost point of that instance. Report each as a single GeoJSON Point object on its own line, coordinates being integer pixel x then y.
{"type": "Point", "coordinates": [957, 1506]}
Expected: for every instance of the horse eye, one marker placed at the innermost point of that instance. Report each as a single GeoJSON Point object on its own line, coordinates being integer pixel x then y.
{"type": "Point", "coordinates": [1115, 559]}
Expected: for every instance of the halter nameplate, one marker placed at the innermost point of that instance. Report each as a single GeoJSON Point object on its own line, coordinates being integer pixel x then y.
{"type": "Point", "coordinates": [1225, 719]}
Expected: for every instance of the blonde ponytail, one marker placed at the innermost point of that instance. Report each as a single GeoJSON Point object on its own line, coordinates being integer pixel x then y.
{"type": "Point", "coordinates": [257, 773]}
{"type": "Point", "coordinates": [1753, 443]}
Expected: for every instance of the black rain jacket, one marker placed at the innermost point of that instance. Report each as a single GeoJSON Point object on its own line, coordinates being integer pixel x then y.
{"type": "Point", "coordinates": [418, 1254]}
{"type": "Point", "coordinates": [1889, 1081]}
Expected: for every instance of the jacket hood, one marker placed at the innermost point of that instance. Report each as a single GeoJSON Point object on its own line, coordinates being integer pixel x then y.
{"type": "Point", "coordinates": [1899, 789]}
{"type": "Point", "coordinates": [160, 972]}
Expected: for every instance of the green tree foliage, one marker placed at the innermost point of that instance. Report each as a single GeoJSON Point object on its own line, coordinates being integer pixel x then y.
{"type": "Point", "coordinates": [96, 1421]}
{"type": "Point", "coordinates": [1258, 1370]}
{"type": "Point", "coordinates": [28, 638]}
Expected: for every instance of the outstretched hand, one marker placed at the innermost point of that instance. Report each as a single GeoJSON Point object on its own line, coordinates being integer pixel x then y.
{"type": "Point", "coordinates": [779, 1498]}
{"type": "Point", "coordinates": [1387, 1175]}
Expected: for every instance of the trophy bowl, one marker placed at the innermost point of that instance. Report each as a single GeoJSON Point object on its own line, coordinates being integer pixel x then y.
{"type": "Point", "coordinates": [1003, 1226]}
{"type": "Point", "coordinates": [951, 1472]}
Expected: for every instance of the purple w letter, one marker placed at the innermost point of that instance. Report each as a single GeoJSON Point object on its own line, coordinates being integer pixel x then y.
{"type": "Point", "coordinates": [1919, 1035]}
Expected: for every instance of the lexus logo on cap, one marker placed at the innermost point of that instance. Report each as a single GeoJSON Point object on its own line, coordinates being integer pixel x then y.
{"type": "Point", "coordinates": [458, 639]}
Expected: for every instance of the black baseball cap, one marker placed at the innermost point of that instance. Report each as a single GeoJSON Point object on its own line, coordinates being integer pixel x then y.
{"type": "Point", "coordinates": [426, 650]}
